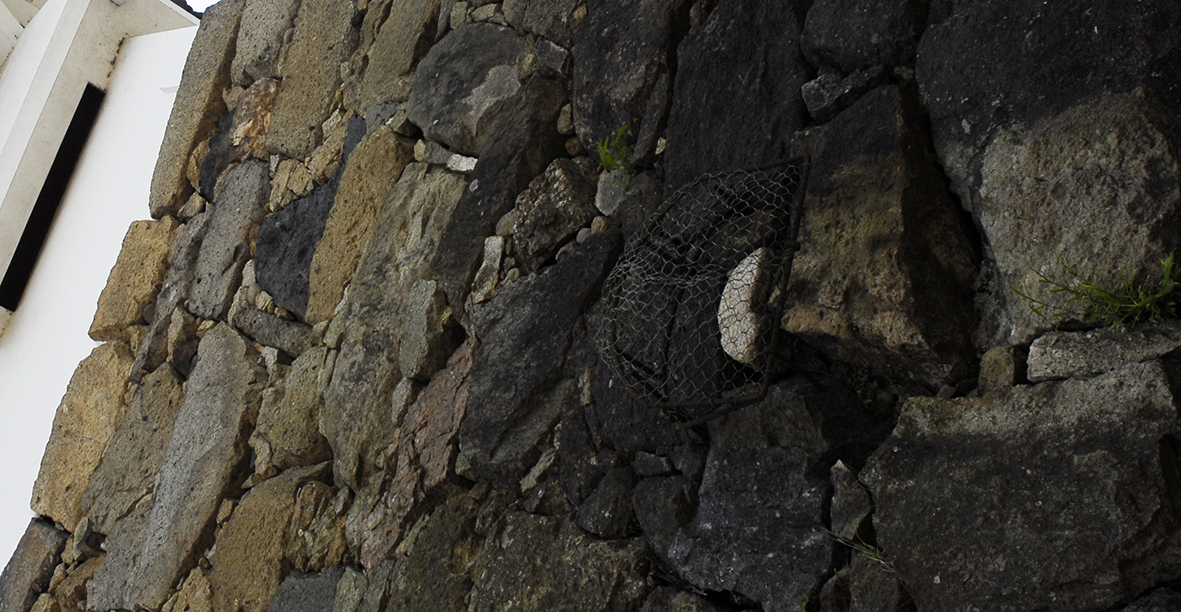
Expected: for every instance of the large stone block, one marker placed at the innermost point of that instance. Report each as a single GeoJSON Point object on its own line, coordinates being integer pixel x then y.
{"type": "Point", "coordinates": [883, 277]}
{"type": "Point", "coordinates": [356, 418]}
{"type": "Point", "coordinates": [260, 38]}
{"type": "Point", "coordinates": [373, 169]}
{"type": "Point", "coordinates": [1040, 115]}
{"type": "Point", "coordinates": [405, 36]}
{"type": "Point", "coordinates": [132, 459]}
{"type": "Point", "coordinates": [247, 564]}
{"type": "Point", "coordinates": [557, 204]}
{"type": "Point", "coordinates": [1059, 354]}
{"type": "Point", "coordinates": [135, 279]}
{"type": "Point", "coordinates": [287, 434]}
{"type": "Point", "coordinates": [465, 81]}
{"type": "Point", "coordinates": [85, 421]}
{"type": "Point", "coordinates": [555, 20]}
{"type": "Point", "coordinates": [198, 105]}
{"type": "Point", "coordinates": [736, 99]}
{"type": "Point", "coordinates": [239, 208]}
{"type": "Point", "coordinates": [851, 35]}
{"type": "Point", "coordinates": [324, 39]}
{"type": "Point", "coordinates": [286, 244]}
{"type": "Point", "coordinates": [29, 570]}
{"type": "Point", "coordinates": [623, 58]}
{"type": "Point", "coordinates": [204, 457]}
{"type": "Point", "coordinates": [1057, 496]}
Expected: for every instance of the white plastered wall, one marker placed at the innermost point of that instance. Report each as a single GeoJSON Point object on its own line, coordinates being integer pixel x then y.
{"type": "Point", "coordinates": [47, 335]}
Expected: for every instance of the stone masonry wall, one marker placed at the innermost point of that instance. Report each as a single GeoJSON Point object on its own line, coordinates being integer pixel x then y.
{"type": "Point", "coordinates": [350, 364]}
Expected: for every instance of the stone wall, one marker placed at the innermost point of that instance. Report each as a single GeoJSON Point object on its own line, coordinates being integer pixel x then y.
{"type": "Point", "coordinates": [351, 363]}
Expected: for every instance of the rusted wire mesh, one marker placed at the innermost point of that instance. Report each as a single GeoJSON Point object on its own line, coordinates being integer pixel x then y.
{"type": "Point", "coordinates": [690, 307]}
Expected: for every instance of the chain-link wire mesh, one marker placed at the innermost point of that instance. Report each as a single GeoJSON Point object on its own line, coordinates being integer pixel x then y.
{"type": "Point", "coordinates": [690, 308]}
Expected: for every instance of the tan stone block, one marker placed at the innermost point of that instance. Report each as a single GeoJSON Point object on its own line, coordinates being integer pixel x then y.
{"type": "Point", "coordinates": [372, 171]}
{"type": "Point", "coordinates": [198, 104]}
{"type": "Point", "coordinates": [247, 563]}
{"type": "Point", "coordinates": [135, 279]}
{"type": "Point", "coordinates": [323, 40]}
{"type": "Point", "coordinates": [405, 37]}
{"type": "Point", "coordinates": [193, 596]}
{"type": "Point", "coordinates": [86, 419]}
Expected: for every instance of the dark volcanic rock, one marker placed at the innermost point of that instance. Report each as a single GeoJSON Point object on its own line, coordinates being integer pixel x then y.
{"type": "Point", "coordinates": [31, 566]}
{"type": "Point", "coordinates": [557, 204]}
{"type": "Point", "coordinates": [1017, 92]}
{"type": "Point", "coordinates": [883, 279]}
{"type": "Point", "coordinates": [663, 505]}
{"type": "Point", "coordinates": [854, 34]}
{"type": "Point", "coordinates": [526, 142]}
{"type": "Point", "coordinates": [829, 93]}
{"type": "Point", "coordinates": [540, 563]}
{"type": "Point", "coordinates": [622, 69]}
{"type": "Point", "coordinates": [430, 574]}
{"type": "Point", "coordinates": [304, 592]}
{"type": "Point", "coordinates": [736, 100]}
{"type": "Point", "coordinates": [515, 396]}
{"type": "Point", "coordinates": [554, 20]}
{"type": "Point", "coordinates": [1160, 600]}
{"type": "Point", "coordinates": [607, 511]}
{"type": "Point", "coordinates": [464, 82]}
{"type": "Point", "coordinates": [1059, 496]}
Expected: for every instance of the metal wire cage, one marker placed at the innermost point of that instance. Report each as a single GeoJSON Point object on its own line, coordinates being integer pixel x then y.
{"type": "Point", "coordinates": [690, 310]}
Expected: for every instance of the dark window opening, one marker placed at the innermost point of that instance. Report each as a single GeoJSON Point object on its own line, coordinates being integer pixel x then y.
{"type": "Point", "coordinates": [48, 200]}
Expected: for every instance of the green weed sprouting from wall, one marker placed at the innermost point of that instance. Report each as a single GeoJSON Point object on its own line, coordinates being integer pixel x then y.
{"type": "Point", "coordinates": [616, 155]}
{"type": "Point", "coordinates": [1087, 301]}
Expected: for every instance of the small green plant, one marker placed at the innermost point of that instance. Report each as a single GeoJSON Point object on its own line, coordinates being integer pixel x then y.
{"type": "Point", "coordinates": [802, 602]}
{"type": "Point", "coordinates": [615, 155]}
{"type": "Point", "coordinates": [1087, 301]}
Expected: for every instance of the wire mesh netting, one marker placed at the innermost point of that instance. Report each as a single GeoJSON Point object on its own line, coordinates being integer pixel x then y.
{"type": "Point", "coordinates": [690, 307]}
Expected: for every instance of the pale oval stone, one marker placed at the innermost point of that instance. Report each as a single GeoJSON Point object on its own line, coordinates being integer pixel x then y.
{"type": "Point", "coordinates": [740, 315]}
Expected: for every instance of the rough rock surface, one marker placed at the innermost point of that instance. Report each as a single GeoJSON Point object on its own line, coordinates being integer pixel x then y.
{"type": "Point", "coordinates": [304, 592]}
{"type": "Point", "coordinates": [854, 34]}
{"type": "Point", "coordinates": [1081, 354]}
{"type": "Point", "coordinates": [407, 34]}
{"type": "Point", "coordinates": [86, 419]}
{"type": "Point", "coordinates": [260, 36]}
{"type": "Point", "coordinates": [246, 565]}
{"type": "Point", "coordinates": [464, 82]}
{"type": "Point", "coordinates": [373, 169]}
{"type": "Point", "coordinates": [198, 105]}
{"type": "Point", "coordinates": [135, 279]}
{"type": "Point", "coordinates": [554, 20]}
{"type": "Point", "coordinates": [291, 337]}
{"type": "Point", "coordinates": [1065, 485]}
{"type": "Point", "coordinates": [883, 277]}
{"type": "Point", "coordinates": [131, 461]}
{"type": "Point", "coordinates": [524, 331]}
{"type": "Point", "coordinates": [736, 98]}
{"type": "Point", "coordinates": [557, 204]}
{"type": "Point", "coordinates": [237, 210]}
{"type": "Point", "coordinates": [200, 464]}
{"type": "Point", "coordinates": [565, 568]}
{"type": "Point", "coordinates": [323, 40]}
{"type": "Point", "coordinates": [830, 93]}
{"type": "Point", "coordinates": [287, 434]}
{"type": "Point", "coordinates": [29, 570]}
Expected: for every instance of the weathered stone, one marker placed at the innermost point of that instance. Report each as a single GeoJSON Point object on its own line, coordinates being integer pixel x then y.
{"type": "Point", "coordinates": [405, 36]}
{"type": "Point", "coordinates": [554, 20]}
{"type": "Point", "coordinates": [237, 210]}
{"type": "Point", "coordinates": [193, 596]}
{"type": "Point", "coordinates": [31, 566]}
{"type": "Point", "coordinates": [198, 105]}
{"type": "Point", "coordinates": [464, 82]}
{"type": "Point", "coordinates": [663, 505]}
{"type": "Point", "coordinates": [425, 343]}
{"type": "Point", "coordinates": [287, 435]}
{"type": "Point", "coordinates": [853, 34]}
{"type": "Point", "coordinates": [669, 599]}
{"type": "Point", "coordinates": [289, 181]}
{"type": "Point", "coordinates": [131, 461]}
{"type": "Point", "coordinates": [607, 511]}
{"type": "Point", "coordinates": [260, 37]}
{"type": "Point", "coordinates": [135, 279]}
{"type": "Point", "coordinates": [830, 93]}
{"type": "Point", "coordinates": [291, 337]}
{"type": "Point", "coordinates": [851, 504]}
{"type": "Point", "coordinates": [874, 586]}
{"type": "Point", "coordinates": [317, 537]}
{"type": "Point", "coordinates": [356, 418]}
{"type": "Point", "coordinates": [252, 117]}
{"type": "Point", "coordinates": [526, 144]}
{"type": "Point", "coordinates": [45, 603]}
{"type": "Point", "coordinates": [70, 593]}
{"type": "Point", "coordinates": [1082, 354]}
{"type": "Point", "coordinates": [552, 209]}
{"type": "Point", "coordinates": [324, 39]}
{"type": "Point", "coordinates": [1000, 368]}
{"type": "Point", "coordinates": [622, 73]}
{"type": "Point", "coordinates": [430, 568]}
{"type": "Point", "coordinates": [422, 455]}
{"type": "Point", "coordinates": [303, 592]}
{"type": "Point", "coordinates": [342, 131]}
{"type": "Point", "coordinates": [371, 172]}
{"type": "Point", "coordinates": [85, 421]}
{"type": "Point", "coordinates": [247, 562]}
{"type": "Point", "coordinates": [1065, 487]}
{"type": "Point", "coordinates": [741, 316]}
{"type": "Point", "coordinates": [204, 455]}
{"type": "Point", "coordinates": [485, 283]}
{"type": "Point", "coordinates": [1053, 132]}
{"type": "Point", "coordinates": [287, 244]}
{"type": "Point", "coordinates": [1160, 600]}
{"type": "Point", "coordinates": [220, 152]}
{"type": "Point", "coordinates": [565, 568]}
{"type": "Point", "coordinates": [524, 333]}
{"type": "Point", "coordinates": [883, 279]}
{"type": "Point", "coordinates": [736, 100]}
